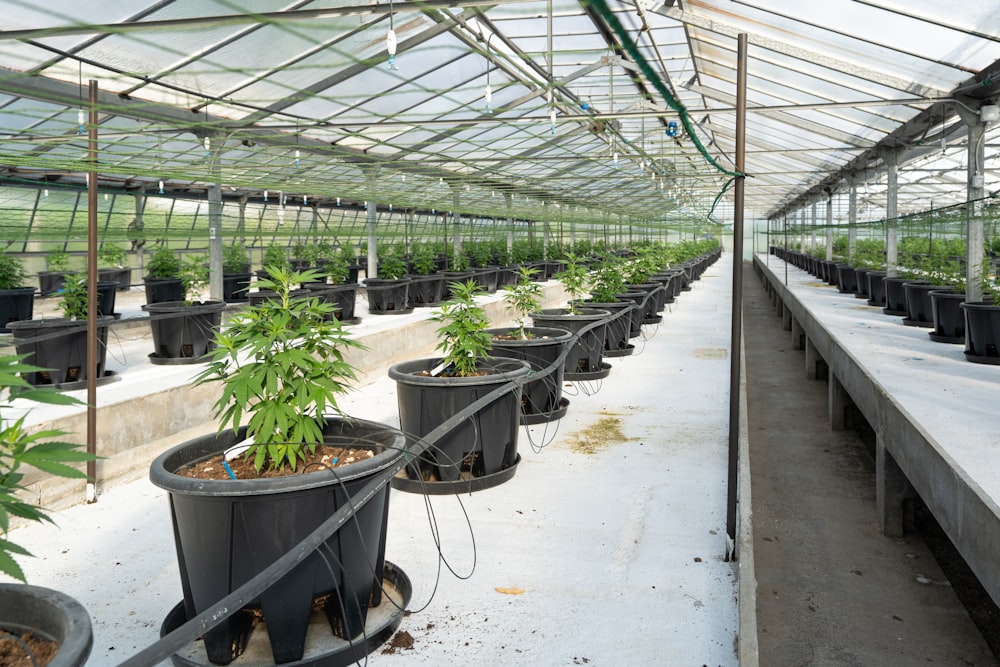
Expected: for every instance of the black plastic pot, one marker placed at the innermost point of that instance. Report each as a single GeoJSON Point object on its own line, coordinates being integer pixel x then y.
{"type": "Point", "coordinates": [541, 399]}
{"type": "Point", "coordinates": [120, 276]}
{"type": "Point", "coordinates": [236, 286]}
{"type": "Point", "coordinates": [483, 446]}
{"type": "Point", "coordinates": [861, 283]}
{"type": "Point", "coordinates": [846, 279]}
{"type": "Point", "coordinates": [16, 305]}
{"type": "Point", "coordinates": [895, 297]}
{"type": "Point", "coordinates": [183, 333]}
{"type": "Point", "coordinates": [163, 290]}
{"type": "Point", "coordinates": [107, 292]}
{"type": "Point", "coordinates": [636, 314]}
{"type": "Point", "coordinates": [654, 304]}
{"type": "Point", "coordinates": [50, 615]}
{"type": "Point", "coordinates": [619, 327]}
{"type": "Point", "coordinates": [876, 288]}
{"type": "Point", "coordinates": [344, 297]}
{"type": "Point", "coordinates": [918, 303]}
{"type": "Point", "coordinates": [60, 347]}
{"type": "Point", "coordinates": [426, 291]}
{"type": "Point", "coordinates": [226, 532]}
{"type": "Point", "coordinates": [453, 277]}
{"type": "Point", "coordinates": [388, 296]}
{"type": "Point", "coordinates": [584, 359]}
{"type": "Point", "coordinates": [52, 282]}
{"type": "Point", "coordinates": [487, 278]}
{"type": "Point", "coordinates": [982, 332]}
{"type": "Point", "coordinates": [949, 321]}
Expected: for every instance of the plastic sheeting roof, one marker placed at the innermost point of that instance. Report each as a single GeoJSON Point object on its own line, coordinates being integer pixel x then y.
{"type": "Point", "coordinates": [301, 97]}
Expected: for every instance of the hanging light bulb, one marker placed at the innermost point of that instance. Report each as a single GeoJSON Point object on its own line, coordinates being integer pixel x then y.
{"type": "Point", "coordinates": [80, 119]}
{"type": "Point", "coordinates": [488, 96]}
{"type": "Point", "coordinates": [105, 196]}
{"type": "Point", "coordinates": [338, 201]}
{"type": "Point", "coordinates": [305, 200]}
{"type": "Point", "coordinates": [161, 187]}
{"type": "Point", "coordinates": [552, 120]}
{"type": "Point", "coordinates": [390, 208]}
{"type": "Point", "coordinates": [390, 45]}
{"type": "Point", "coordinates": [404, 178]}
{"type": "Point", "coordinates": [46, 193]}
{"type": "Point", "coordinates": [298, 158]}
{"type": "Point", "coordinates": [265, 195]}
{"type": "Point", "coordinates": [614, 158]}
{"type": "Point", "coordinates": [208, 146]}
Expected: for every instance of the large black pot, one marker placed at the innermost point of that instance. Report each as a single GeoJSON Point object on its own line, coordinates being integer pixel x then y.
{"type": "Point", "coordinates": [163, 290]}
{"type": "Point", "coordinates": [636, 314]}
{"type": "Point", "coordinates": [652, 306]}
{"type": "Point", "coordinates": [982, 332]}
{"type": "Point", "coordinates": [426, 291]}
{"type": "Point", "coordinates": [107, 294]}
{"type": "Point", "coordinates": [52, 282]}
{"type": "Point", "coordinates": [227, 532]}
{"type": "Point", "coordinates": [487, 277]}
{"type": "Point", "coordinates": [918, 303]}
{"type": "Point", "coordinates": [122, 277]}
{"type": "Point", "coordinates": [895, 296]}
{"type": "Point", "coordinates": [876, 288]}
{"type": "Point", "coordinates": [59, 346]}
{"type": "Point", "coordinates": [16, 305]}
{"type": "Point", "coordinates": [183, 333]}
{"type": "Point", "coordinates": [50, 615]}
{"type": "Point", "coordinates": [846, 279]}
{"type": "Point", "coordinates": [861, 283]}
{"type": "Point", "coordinates": [584, 359]}
{"type": "Point", "coordinates": [948, 318]}
{"type": "Point", "coordinates": [344, 297]}
{"type": "Point", "coordinates": [236, 286]}
{"type": "Point", "coordinates": [482, 447]}
{"type": "Point", "coordinates": [541, 399]}
{"type": "Point", "coordinates": [619, 327]}
{"type": "Point", "coordinates": [388, 296]}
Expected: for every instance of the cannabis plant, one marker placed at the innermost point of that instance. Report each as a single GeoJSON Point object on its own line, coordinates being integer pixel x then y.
{"type": "Point", "coordinates": [464, 339]}
{"type": "Point", "coordinates": [576, 281]}
{"type": "Point", "coordinates": [522, 298]}
{"type": "Point", "coordinates": [281, 364]}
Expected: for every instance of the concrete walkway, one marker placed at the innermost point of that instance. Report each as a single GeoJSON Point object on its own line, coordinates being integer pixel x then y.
{"type": "Point", "coordinates": [832, 590]}
{"type": "Point", "coordinates": [606, 548]}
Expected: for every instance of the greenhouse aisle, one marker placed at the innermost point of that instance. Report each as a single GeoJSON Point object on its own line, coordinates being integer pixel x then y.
{"type": "Point", "coordinates": [832, 590]}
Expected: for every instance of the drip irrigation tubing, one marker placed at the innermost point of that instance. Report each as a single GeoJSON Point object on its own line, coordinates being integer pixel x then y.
{"type": "Point", "coordinates": [203, 622]}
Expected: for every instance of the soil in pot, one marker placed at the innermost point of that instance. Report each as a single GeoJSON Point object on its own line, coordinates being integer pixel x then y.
{"type": "Point", "coordinates": [25, 649]}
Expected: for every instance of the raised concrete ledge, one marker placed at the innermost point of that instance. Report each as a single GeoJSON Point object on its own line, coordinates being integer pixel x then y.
{"type": "Point", "coordinates": [154, 407]}
{"type": "Point", "coordinates": [934, 413]}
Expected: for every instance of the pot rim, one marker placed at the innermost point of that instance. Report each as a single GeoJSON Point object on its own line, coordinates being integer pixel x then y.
{"type": "Point", "coordinates": [403, 373]}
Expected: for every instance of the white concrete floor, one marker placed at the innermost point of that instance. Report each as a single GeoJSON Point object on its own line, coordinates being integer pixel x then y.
{"type": "Point", "coordinates": [599, 552]}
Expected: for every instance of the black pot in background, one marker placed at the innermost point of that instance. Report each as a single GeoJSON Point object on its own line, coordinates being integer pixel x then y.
{"type": "Point", "coordinates": [51, 615]}
{"type": "Point", "coordinates": [948, 318]}
{"type": "Point", "coordinates": [982, 332]}
{"type": "Point", "coordinates": [426, 291]}
{"type": "Point", "coordinates": [918, 303]}
{"type": "Point", "coordinates": [226, 532]}
{"type": "Point", "coordinates": [388, 296]}
{"type": "Point", "coordinates": [16, 305]}
{"type": "Point", "coordinates": [846, 279]}
{"type": "Point", "coordinates": [163, 290]}
{"type": "Point", "coordinates": [236, 287]}
{"type": "Point", "coordinates": [636, 314]}
{"type": "Point", "coordinates": [52, 282]}
{"type": "Point", "coordinates": [861, 283]}
{"type": "Point", "coordinates": [584, 359]}
{"type": "Point", "coordinates": [895, 297]}
{"type": "Point", "coordinates": [541, 399]}
{"type": "Point", "coordinates": [484, 446]}
{"type": "Point", "coordinates": [121, 276]}
{"type": "Point", "coordinates": [107, 291]}
{"type": "Point", "coordinates": [344, 297]}
{"type": "Point", "coordinates": [183, 333]}
{"type": "Point", "coordinates": [653, 304]}
{"type": "Point", "coordinates": [59, 346]}
{"type": "Point", "coordinates": [619, 327]}
{"type": "Point", "coordinates": [876, 288]}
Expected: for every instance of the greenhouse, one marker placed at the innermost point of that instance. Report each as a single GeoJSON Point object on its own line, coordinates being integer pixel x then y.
{"type": "Point", "coordinates": [652, 332]}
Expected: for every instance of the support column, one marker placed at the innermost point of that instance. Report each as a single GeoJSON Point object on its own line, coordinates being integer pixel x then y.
{"type": "Point", "coordinates": [137, 235]}
{"type": "Point", "coordinates": [546, 214]}
{"type": "Point", "coordinates": [891, 194]}
{"type": "Point", "coordinates": [975, 234]}
{"type": "Point", "coordinates": [456, 202]}
{"type": "Point", "coordinates": [852, 217]}
{"type": "Point", "coordinates": [812, 242]}
{"type": "Point", "coordinates": [892, 491]}
{"type": "Point", "coordinates": [510, 226]}
{"type": "Point", "coordinates": [215, 239]}
{"type": "Point", "coordinates": [815, 366]}
{"type": "Point", "coordinates": [241, 222]}
{"type": "Point", "coordinates": [371, 219]}
{"type": "Point", "coordinates": [786, 319]}
{"type": "Point", "coordinates": [798, 335]}
{"type": "Point", "coordinates": [839, 401]}
{"type": "Point", "coordinates": [829, 227]}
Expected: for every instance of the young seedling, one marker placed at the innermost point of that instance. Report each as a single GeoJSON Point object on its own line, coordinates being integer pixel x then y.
{"type": "Point", "coordinates": [464, 339]}
{"type": "Point", "coordinates": [523, 298]}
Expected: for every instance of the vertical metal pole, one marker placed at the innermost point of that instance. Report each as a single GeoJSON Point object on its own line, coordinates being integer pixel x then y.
{"type": "Point", "coordinates": [92, 295]}
{"type": "Point", "coordinates": [829, 227]}
{"type": "Point", "coordinates": [214, 231]}
{"type": "Point", "coordinates": [371, 218]}
{"type": "Point", "coordinates": [735, 356]}
{"type": "Point", "coordinates": [975, 236]}
{"type": "Point", "coordinates": [891, 194]}
{"type": "Point", "coordinates": [852, 218]}
{"type": "Point", "coordinates": [510, 225]}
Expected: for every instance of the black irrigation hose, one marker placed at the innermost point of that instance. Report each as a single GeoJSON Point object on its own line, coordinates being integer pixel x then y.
{"type": "Point", "coordinates": [195, 627]}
